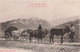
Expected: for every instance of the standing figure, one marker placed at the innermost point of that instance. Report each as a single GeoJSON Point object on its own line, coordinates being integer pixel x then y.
{"type": "Point", "coordinates": [40, 27]}
{"type": "Point", "coordinates": [40, 34]}
{"type": "Point", "coordinates": [72, 33]}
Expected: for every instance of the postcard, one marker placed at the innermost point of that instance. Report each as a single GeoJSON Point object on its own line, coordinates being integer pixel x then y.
{"type": "Point", "coordinates": [39, 25]}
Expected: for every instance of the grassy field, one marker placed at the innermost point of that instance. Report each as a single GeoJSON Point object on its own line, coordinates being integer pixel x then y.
{"type": "Point", "coordinates": [40, 47]}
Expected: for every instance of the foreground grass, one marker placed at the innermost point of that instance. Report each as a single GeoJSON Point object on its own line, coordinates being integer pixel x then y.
{"type": "Point", "coordinates": [41, 47]}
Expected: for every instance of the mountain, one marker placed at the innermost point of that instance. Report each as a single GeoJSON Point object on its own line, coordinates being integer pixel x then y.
{"type": "Point", "coordinates": [30, 23]}
{"type": "Point", "coordinates": [75, 22]}
{"type": "Point", "coordinates": [62, 20]}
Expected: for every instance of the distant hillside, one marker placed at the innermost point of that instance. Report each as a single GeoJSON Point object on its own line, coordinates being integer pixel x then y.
{"type": "Point", "coordinates": [76, 21]}
{"type": "Point", "coordinates": [59, 21]}
{"type": "Point", "coordinates": [30, 23]}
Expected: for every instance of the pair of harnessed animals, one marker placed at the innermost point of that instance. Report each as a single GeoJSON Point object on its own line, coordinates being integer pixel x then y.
{"type": "Point", "coordinates": [40, 34]}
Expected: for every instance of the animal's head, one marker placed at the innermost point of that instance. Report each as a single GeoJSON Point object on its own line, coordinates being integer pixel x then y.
{"type": "Point", "coordinates": [29, 31]}
{"type": "Point", "coordinates": [45, 32]}
{"type": "Point", "coordinates": [12, 28]}
{"type": "Point", "coordinates": [67, 29]}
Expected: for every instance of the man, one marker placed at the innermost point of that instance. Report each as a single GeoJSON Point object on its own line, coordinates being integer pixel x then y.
{"type": "Point", "coordinates": [40, 33]}
{"type": "Point", "coordinates": [72, 28]}
{"type": "Point", "coordinates": [40, 27]}
{"type": "Point", "coordinates": [72, 33]}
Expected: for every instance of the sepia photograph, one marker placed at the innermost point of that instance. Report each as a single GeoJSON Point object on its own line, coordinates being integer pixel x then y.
{"type": "Point", "coordinates": [39, 25]}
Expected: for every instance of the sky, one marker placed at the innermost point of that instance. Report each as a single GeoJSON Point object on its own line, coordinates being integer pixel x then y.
{"type": "Point", "coordinates": [56, 10]}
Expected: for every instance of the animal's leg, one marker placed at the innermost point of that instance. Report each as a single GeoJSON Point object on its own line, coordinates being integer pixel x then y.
{"type": "Point", "coordinates": [53, 39]}
{"type": "Point", "coordinates": [73, 39]}
{"type": "Point", "coordinates": [26, 38]}
{"type": "Point", "coordinates": [50, 39]}
{"type": "Point", "coordinates": [41, 40]}
{"type": "Point", "coordinates": [61, 38]}
{"type": "Point", "coordinates": [30, 39]}
{"type": "Point", "coordinates": [6, 36]}
{"type": "Point", "coordinates": [38, 40]}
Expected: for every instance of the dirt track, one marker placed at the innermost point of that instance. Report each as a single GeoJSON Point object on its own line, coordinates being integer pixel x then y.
{"type": "Point", "coordinates": [40, 47]}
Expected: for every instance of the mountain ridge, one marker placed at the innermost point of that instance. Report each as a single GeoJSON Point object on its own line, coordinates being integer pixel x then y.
{"type": "Point", "coordinates": [31, 23]}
